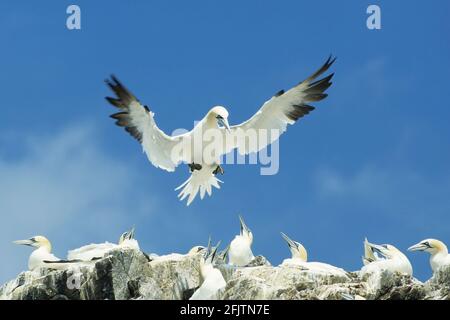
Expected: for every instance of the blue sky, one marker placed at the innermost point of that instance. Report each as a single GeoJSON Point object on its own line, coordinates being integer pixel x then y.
{"type": "Point", "coordinates": [372, 159]}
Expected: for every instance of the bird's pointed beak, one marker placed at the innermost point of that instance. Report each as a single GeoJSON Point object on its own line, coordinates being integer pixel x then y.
{"type": "Point", "coordinates": [418, 247]}
{"type": "Point", "coordinates": [380, 249]}
{"type": "Point", "coordinates": [224, 123]}
{"type": "Point", "coordinates": [224, 253]}
{"type": "Point", "coordinates": [208, 248]}
{"type": "Point", "coordinates": [289, 241]}
{"type": "Point", "coordinates": [244, 227]}
{"type": "Point", "coordinates": [28, 242]}
{"type": "Point", "coordinates": [214, 251]}
{"type": "Point", "coordinates": [130, 234]}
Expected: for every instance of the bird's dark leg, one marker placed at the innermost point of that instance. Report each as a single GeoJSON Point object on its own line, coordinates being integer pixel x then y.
{"type": "Point", "coordinates": [219, 169]}
{"type": "Point", "coordinates": [195, 166]}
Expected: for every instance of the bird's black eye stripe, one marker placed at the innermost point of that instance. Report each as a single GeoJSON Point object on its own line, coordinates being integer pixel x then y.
{"type": "Point", "coordinates": [427, 244]}
{"type": "Point", "coordinates": [219, 117]}
{"type": "Point", "coordinates": [33, 239]}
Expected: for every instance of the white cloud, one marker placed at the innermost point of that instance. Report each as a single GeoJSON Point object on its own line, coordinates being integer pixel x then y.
{"type": "Point", "coordinates": [67, 188]}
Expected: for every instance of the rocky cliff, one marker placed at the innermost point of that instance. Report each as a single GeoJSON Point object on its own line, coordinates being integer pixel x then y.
{"type": "Point", "coordinates": [128, 274]}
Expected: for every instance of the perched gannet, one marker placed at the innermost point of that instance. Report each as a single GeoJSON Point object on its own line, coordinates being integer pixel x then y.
{"type": "Point", "coordinates": [240, 252]}
{"type": "Point", "coordinates": [390, 259]}
{"type": "Point", "coordinates": [212, 137]}
{"type": "Point", "coordinates": [300, 258]}
{"type": "Point", "coordinates": [437, 249]}
{"type": "Point", "coordinates": [98, 250]}
{"type": "Point", "coordinates": [42, 256]}
{"type": "Point", "coordinates": [212, 281]}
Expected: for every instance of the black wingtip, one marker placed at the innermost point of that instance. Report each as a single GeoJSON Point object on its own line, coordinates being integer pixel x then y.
{"type": "Point", "coordinates": [331, 59]}
{"type": "Point", "coordinates": [113, 82]}
{"type": "Point", "coordinates": [279, 93]}
{"type": "Point", "coordinates": [321, 70]}
{"type": "Point", "coordinates": [299, 111]}
{"type": "Point", "coordinates": [114, 78]}
{"type": "Point", "coordinates": [325, 66]}
{"type": "Point", "coordinates": [124, 96]}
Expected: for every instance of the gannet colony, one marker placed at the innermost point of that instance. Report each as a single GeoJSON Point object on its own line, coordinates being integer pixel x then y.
{"type": "Point", "coordinates": [123, 271]}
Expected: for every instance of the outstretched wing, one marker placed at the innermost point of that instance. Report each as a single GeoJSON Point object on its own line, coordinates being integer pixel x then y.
{"type": "Point", "coordinates": [139, 122]}
{"type": "Point", "coordinates": [276, 114]}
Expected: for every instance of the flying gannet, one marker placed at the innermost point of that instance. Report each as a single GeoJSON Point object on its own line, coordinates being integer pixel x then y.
{"type": "Point", "coordinates": [300, 258]}
{"type": "Point", "coordinates": [240, 250]}
{"type": "Point", "coordinates": [437, 249]}
{"type": "Point", "coordinates": [212, 137]}
{"type": "Point", "coordinates": [390, 258]}
{"type": "Point", "coordinates": [212, 280]}
{"type": "Point", "coordinates": [98, 250]}
{"type": "Point", "coordinates": [42, 256]}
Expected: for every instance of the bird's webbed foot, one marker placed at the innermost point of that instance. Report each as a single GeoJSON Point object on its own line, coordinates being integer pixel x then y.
{"type": "Point", "coordinates": [217, 170]}
{"type": "Point", "coordinates": [194, 166]}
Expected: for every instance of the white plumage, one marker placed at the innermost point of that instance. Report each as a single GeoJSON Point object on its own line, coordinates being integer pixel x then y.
{"type": "Point", "coordinates": [212, 137]}
{"type": "Point", "coordinates": [178, 256]}
{"type": "Point", "coordinates": [240, 252]}
{"type": "Point", "coordinates": [199, 181]}
{"type": "Point", "coordinates": [211, 286]}
{"type": "Point", "coordinates": [438, 251]}
{"type": "Point", "coordinates": [213, 281]}
{"type": "Point", "coordinates": [91, 251]}
{"type": "Point", "coordinates": [300, 258]}
{"type": "Point", "coordinates": [390, 259]}
{"type": "Point", "coordinates": [99, 250]}
{"type": "Point", "coordinates": [42, 256]}
{"type": "Point", "coordinates": [38, 256]}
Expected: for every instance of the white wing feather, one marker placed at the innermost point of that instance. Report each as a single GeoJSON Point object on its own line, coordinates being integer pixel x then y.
{"type": "Point", "coordinates": [284, 109]}
{"type": "Point", "coordinates": [139, 121]}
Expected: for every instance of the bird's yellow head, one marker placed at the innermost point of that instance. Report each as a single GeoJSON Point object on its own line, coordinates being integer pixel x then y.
{"type": "Point", "coordinates": [220, 114]}
{"type": "Point", "coordinates": [196, 249]}
{"type": "Point", "coordinates": [219, 111]}
{"type": "Point", "coordinates": [431, 246]}
{"type": "Point", "coordinates": [388, 251]}
{"type": "Point", "coordinates": [36, 242]}
{"type": "Point", "coordinates": [298, 251]}
{"type": "Point", "coordinates": [393, 250]}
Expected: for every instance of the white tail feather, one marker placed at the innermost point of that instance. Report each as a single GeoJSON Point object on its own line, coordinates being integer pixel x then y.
{"type": "Point", "coordinates": [200, 181]}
